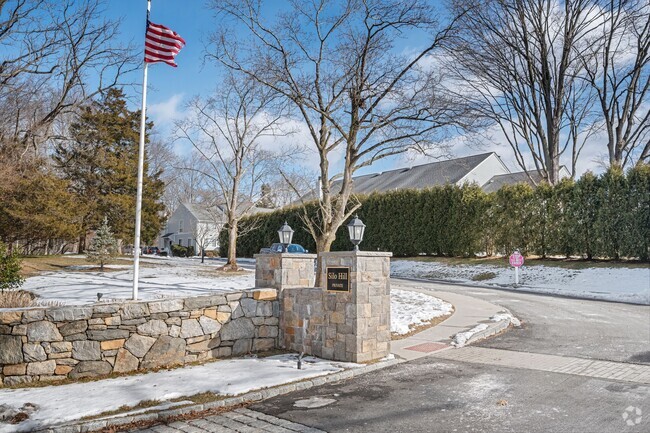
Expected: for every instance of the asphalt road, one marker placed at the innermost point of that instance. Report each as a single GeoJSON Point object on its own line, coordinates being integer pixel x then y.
{"type": "Point", "coordinates": [564, 326]}
{"type": "Point", "coordinates": [429, 395]}
{"type": "Point", "coordinates": [436, 395]}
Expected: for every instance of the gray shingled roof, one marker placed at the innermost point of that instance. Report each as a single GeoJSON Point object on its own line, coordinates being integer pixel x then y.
{"type": "Point", "coordinates": [418, 177]}
{"type": "Point", "coordinates": [497, 182]}
{"type": "Point", "coordinates": [201, 212]}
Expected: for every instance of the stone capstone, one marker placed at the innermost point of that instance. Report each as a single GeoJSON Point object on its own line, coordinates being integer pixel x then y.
{"type": "Point", "coordinates": [86, 350]}
{"type": "Point", "coordinates": [11, 349]}
{"type": "Point", "coordinates": [166, 351]}
{"type": "Point", "coordinates": [125, 362]}
{"type": "Point", "coordinates": [265, 294]}
{"type": "Point", "coordinates": [165, 306]}
{"type": "Point", "coordinates": [90, 369]}
{"type": "Point", "coordinates": [34, 352]}
{"type": "Point", "coordinates": [43, 331]}
{"type": "Point", "coordinates": [139, 345]}
{"type": "Point", "coordinates": [10, 317]}
{"type": "Point", "coordinates": [69, 313]}
{"type": "Point", "coordinates": [238, 329]}
{"type": "Point", "coordinates": [134, 311]}
{"type": "Point", "coordinates": [33, 316]}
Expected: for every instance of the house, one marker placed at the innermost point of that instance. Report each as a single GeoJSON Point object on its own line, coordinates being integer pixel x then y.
{"type": "Point", "coordinates": [198, 226]}
{"type": "Point", "coordinates": [500, 180]}
{"type": "Point", "coordinates": [486, 170]}
{"type": "Point", "coordinates": [193, 225]}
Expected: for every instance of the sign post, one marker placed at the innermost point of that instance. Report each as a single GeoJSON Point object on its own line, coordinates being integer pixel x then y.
{"type": "Point", "coordinates": [516, 260]}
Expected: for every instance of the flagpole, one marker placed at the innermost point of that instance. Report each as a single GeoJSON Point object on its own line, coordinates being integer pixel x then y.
{"type": "Point", "coordinates": [138, 200]}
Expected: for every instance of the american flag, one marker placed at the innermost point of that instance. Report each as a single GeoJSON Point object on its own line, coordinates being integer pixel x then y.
{"type": "Point", "coordinates": [161, 44]}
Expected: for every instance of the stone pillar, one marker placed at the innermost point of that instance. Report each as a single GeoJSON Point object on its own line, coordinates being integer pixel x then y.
{"type": "Point", "coordinates": [284, 270]}
{"type": "Point", "coordinates": [350, 322]}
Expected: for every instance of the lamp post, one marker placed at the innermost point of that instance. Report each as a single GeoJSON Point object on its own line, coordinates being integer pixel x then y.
{"type": "Point", "coordinates": [286, 234]}
{"type": "Point", "coordinates": [356, 227]}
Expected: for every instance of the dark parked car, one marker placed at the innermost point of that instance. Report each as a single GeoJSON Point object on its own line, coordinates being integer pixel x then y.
{"type": "Point", "coordinates": [150, 250]}
{"type": "Point", "coordinates": [277, 248]}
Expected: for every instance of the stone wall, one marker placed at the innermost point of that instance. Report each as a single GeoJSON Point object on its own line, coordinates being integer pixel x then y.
{"type": "Point", "coordinates": [284, 270]}
{"type": "Point", "coordinates": [48, 344]}
{"type": "Point", "coordinates": [344, 326]}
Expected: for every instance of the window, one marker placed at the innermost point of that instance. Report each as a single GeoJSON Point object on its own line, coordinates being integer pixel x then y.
{"type": "Point", "coordinates": [180, 226]}
{"type": "Point", "coordinates": [180, 242]}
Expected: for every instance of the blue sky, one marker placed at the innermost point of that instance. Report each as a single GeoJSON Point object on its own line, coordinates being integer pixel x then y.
{"type": "Point", "coordinates": [170, 87]}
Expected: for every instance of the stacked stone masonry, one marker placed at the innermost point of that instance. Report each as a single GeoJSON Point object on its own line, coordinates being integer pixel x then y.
{"type": "Point", "coordinates": [349, 326]}
{"type": "Point", "coordinates": [286, 270]}
{"type": "Point", "coordinates": [49, 344]}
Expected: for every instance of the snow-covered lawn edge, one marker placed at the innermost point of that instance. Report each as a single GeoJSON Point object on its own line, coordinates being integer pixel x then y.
{"type": "Point", "coordinates": [411, 310]}
{"type": "Point", "coordinates": [617, 284]}
{"type": "Point", "coordinates": [59, 404]}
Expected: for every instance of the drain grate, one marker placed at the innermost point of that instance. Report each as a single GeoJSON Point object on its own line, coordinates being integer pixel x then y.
{"type": "Point", "coordinates": [427, 347]}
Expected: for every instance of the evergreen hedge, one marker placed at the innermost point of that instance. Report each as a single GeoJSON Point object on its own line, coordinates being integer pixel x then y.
{"type": "Point", "coordinates": [606, 216]}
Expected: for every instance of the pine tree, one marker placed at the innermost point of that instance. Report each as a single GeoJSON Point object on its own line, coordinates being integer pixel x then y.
{"type": "Point", "coordinates": [10, 277]}
{"type": "Point", "coordinates": [103, 247]}
{"type": "Point", "coordinates": [100, 162]}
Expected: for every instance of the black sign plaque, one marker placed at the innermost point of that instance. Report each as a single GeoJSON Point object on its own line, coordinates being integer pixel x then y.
{"type": "Point", "coordinates": [338, 279]}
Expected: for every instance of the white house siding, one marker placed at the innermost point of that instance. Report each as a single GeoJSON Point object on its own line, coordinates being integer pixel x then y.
{"type": "Point", "coordinates": [482, 173]}
{"type": "Point", "coordinates": [185, 234]}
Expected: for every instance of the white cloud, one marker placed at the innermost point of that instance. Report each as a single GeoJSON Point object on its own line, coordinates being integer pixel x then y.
{"type": "Point", "coordinates": [164, 113]}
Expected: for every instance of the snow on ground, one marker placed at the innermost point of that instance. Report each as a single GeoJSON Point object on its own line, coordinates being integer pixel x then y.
{"type": "Point", "coordinates": [461, 338]}
{"type": "Point", "coordinates": [620, 284]}
{"type": "Point", "coordinates": [159, 277]}
{"type": "Point", "coordinates": [410, 309]}
{"type": "Point", "coordinates": [57, 404]}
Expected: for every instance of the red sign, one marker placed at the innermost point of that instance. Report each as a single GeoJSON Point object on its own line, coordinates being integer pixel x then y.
{"type": "Point", "coordinates": [516, 259]}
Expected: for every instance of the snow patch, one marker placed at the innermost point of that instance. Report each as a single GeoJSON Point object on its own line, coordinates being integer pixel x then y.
{"type": "Point", "coordinates": [63, 403]}
{"type": "Point", "coordinates": [410, 309]}
{"type": "Point", "coordinates": [461, 338]}
{"type": "Point", "coordinates": [619, 284]}
{"type": "Point", "coordinates": [504, 315]}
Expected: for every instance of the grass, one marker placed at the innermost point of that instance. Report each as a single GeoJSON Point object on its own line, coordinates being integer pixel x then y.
{"type": "Point", "coordinates": [35, 265]}
{"type": "Point", "coordinates": [16, 299]}
{"type": "Point", "coordinates": [571, 263]}
{"type": "Point", "coordinates": [22, 299]}
{"type": "Point", "coordinates": [483, 276]}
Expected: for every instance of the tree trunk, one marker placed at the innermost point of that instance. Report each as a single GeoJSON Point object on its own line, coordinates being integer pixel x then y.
{"type": "Point", "coordinates": [323, 244]}
{"type": "Point", "coordinates": [82, 244]}
{"type": "Point", "coordinates": [231, 264]}
{"type": "Point", "coordinates": [202, 255]}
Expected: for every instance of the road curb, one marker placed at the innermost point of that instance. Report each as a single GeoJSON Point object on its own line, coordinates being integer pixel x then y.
{"type": "Point", "coordinates": [252, 396]}
{"type": "Point", "coordinates": [492, 329]}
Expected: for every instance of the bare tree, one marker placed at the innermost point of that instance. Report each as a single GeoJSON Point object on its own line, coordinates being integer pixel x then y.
{"type": "Point", "coordinates": [618, 69]}
{"type": "Point", "coordinates": [226, 131]}
{"type": "Point", "coordinates": [337, 62]}
{"type": "Point", "coordinates": [56, 56]}
{"type": "Point", "coordinates": [519, 63]}
{"type": "Point", "coordinates": [206, 233]}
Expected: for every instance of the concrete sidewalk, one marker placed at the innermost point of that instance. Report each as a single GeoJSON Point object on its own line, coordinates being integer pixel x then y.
{"type": "Point", "coordinates": [468, 313]}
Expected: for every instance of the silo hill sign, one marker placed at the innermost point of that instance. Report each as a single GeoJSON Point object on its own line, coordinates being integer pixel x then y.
{"type": "Point", "coordinates": [338, 279]}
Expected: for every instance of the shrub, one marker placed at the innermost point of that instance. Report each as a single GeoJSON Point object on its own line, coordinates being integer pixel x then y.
{"type": "Point", "coordinates": [10, 265]}
{"type": "Point", "coordinates": [605, 216]}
